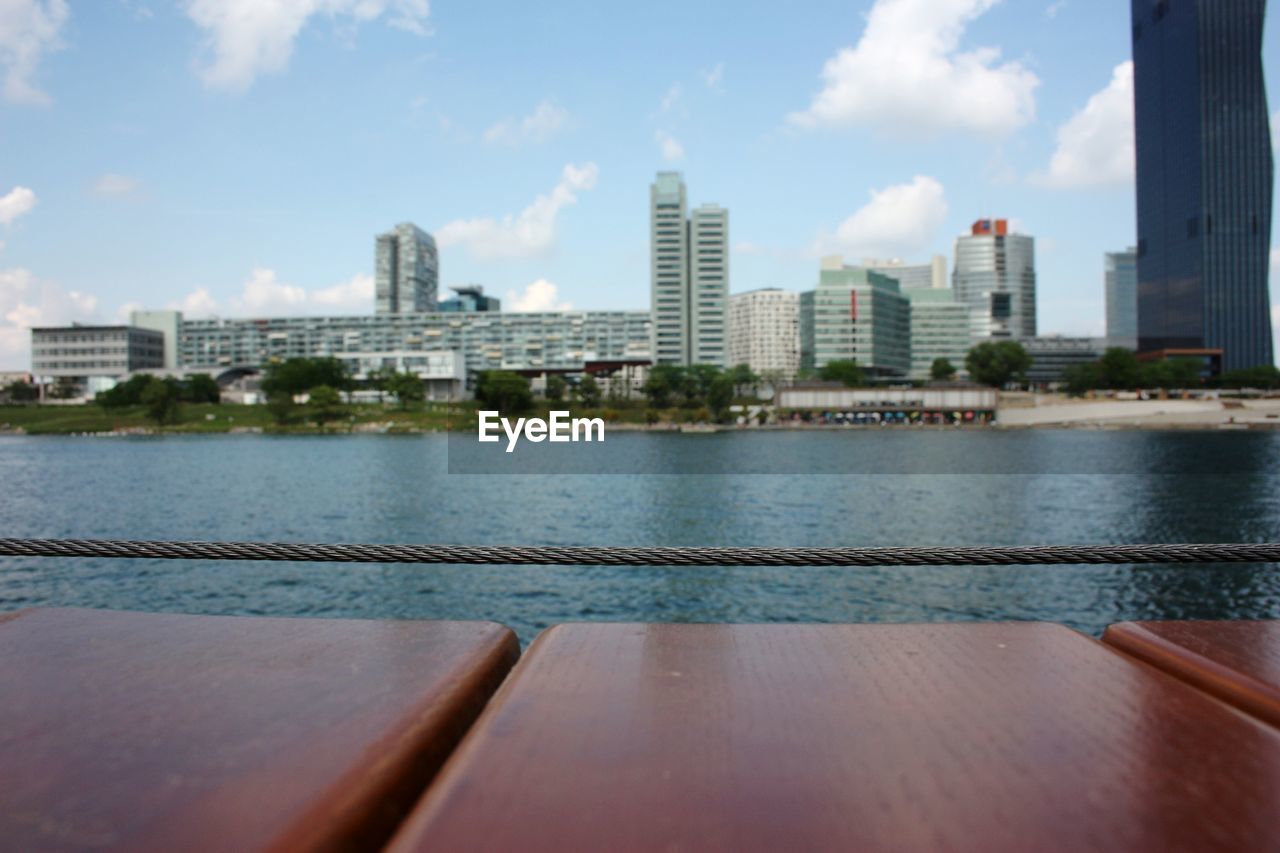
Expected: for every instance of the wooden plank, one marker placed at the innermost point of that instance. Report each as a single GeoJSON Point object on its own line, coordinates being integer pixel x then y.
{"type": "Point", "coordinates": [169, 732]}
{"type": "Point", "coordinates": [1239, 662]}
{"type": "Point", "coordinates": [848, 737]}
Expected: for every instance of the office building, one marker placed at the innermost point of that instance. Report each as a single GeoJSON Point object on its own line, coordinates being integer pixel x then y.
{"type": "Point", "coordinates": [688, 275]}
{"type": "Point", "coordinates": [860, 315]}
{"type": "Point", "coordinates": [1204, 179]}
{"type": "Point", "coordinates": [995, 275]}
{"type": "Point", "coordinates": [1121, 278]}
{"type": "Point", "coordinates": [708, 285]}
{"type": "Point", "coordinates": [470, 297]}
{"type": "Point", "coordinates": [939, 329]}
{"type": "Point", "coordinates": [912, 276]}
{"type": "Point", "coordinates": [167, 323]}
{"type": "Point", "coordinates": [406, 270]}
{"type": "Point", "coordinates": [92, 357]}
{"type": "Point", "coordinates": [532, 343]}
{"type": "Point", "coordinates": [764, 331]}
{"type": "Point", "coordinates": [1051, 355]}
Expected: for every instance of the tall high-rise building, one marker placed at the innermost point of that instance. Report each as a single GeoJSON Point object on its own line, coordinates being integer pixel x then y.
{"type": "Point", "coordinates": [406, 270]}
{"type": "Point", "coordinates": [1121, 279]}
{"type": "Point", "coordinates": [912, 276]}
{"type": "Point", "coordinates": [995, 275]}
{"type": "Point", "coordinates": [1204, 178]}
{"type": "Point", "coordinates": [939, 329]}
{"type": "Point", "coordinates": [688, 275]}
{"type": "Point", "coordinates": [764, 331]}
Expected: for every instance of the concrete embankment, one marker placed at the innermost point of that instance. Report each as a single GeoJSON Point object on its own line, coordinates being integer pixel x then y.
{"type": "Point", "coordinates": [1151, 414]}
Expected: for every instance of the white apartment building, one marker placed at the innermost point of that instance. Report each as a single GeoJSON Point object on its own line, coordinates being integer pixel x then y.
{"type": "Point", "coordinates": [764, 331]}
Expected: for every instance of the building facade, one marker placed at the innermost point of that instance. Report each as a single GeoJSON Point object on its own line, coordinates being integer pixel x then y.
{"type": "Point", "coordinates": [939, 329]}
{"type": "Point", "coordinates": [406, 271]}
{"type": "Point", "coordinates": [1051, 355]}
{"type": "Point", "coordinates": [709, 285]}
{"type": "Point", "coordinates": [995, 275]}
{"type": "Point", "coordinates": [560, 341]}
{"type": "Point", "coordinates": [764, 331]}
{"type": "Point", "coordinates": [1121, 278]}
{"type": "Point", "coordinates": [912, 276]}
{"type": "Point", "coordinates": [688, 276]}
{"type": "Point", "coordinates": [92, 357]}
{"type": "Point", "coordinates": [1204, 178]}
{"type": "Point", "coordinates": [860, 315]}
{"type": "Point", "coordinates": [167, 323]}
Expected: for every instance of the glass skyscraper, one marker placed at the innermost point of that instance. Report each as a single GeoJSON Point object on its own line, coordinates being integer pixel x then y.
{"type": "Point", "coordinates": [1121, 279]}
{"type": "Point", "coordinates": [1204, 178]}
{"type": "Point", "coordinates": [406, 271]}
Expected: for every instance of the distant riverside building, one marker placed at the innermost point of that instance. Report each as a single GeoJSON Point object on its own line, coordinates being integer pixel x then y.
{"type": "Point", "coordinates": [1051, 355]}
{"type": "Point", "coordinates": [1121, 279]}
{"type": "Point", "coordinates": [912, 276]}
{"type": "Point", "coordinates": [91, 357]}
{"type": "Point", "coordinates": [470, 297]}
{"type": "Point", "coordinates": [406, 271]}
{"type": "Point", "coordinates": [1204, 178]}
{"type": "Point", "coordinates": [939, 329]}
{"type": "Point", "coordinates": [168, 323]}
{"type": "Point", "coordinates": [856, 314]}
{"type": "Point", "coordinates": [531, 343]}
{"type": "Point", "coordinates": [995, 275]}
{"type": "Point", "coordinates": [688, 275]}
{"type": "Point", "coordinates": [764, 331]}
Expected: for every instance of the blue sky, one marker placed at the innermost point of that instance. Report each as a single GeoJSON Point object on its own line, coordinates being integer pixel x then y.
{"type": "Point", "coordinates": [237, 157]}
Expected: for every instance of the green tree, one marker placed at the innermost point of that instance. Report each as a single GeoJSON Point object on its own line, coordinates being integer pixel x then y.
{"type": "Point", "coordinates": [665, 381]}
{"type": "Point", "coordinates": [325, 402]}
{"type": "Point", "coordinates": [1173, 373]}
{"type": "Point", "coordinates": [281, 406]}
{"type": "Point", "coordinates": [201, 388]}
{"type": "Point", "coordinates": [1079, 378]}
{"type": "Point", "coordinates": [720, 396]}
{"type": "Point", "coordinates": [504, 391]}
{"type": "Point", "coordinates": [380, 380]}
{"type": "Point", "coordinates": [845, 370]}
{"type": "Point", "coordinates": [744, 379]}
{"type": "Point", "coordinates": [22, 392]}
{"type": "Point", "coordinates": [1266, 377]}
{"type": "Point", "coordinates": [942, 370]}
{"type": "Point", "coordinates": [162, 397]}
{"type": "Point", "coordinates": [127, 393]}
{"type": "Point", "coordinates": [407, 387]}
{"type": "Point", "coordinates": [555, 388]}
{"type": "Point", "coordinates": [997, 363]}
{"type": "Point", "coordinates": [1120, 369]}
{"type": "Point", "coordinates": [698, 381]}
{"type": "Point", "coordinates": [299, 375]}
{"type": "Point", "coordinates": [588, 391]}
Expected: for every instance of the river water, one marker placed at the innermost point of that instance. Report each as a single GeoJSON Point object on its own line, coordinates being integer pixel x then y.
{"type": "Point", "coordinates": [776, 489]}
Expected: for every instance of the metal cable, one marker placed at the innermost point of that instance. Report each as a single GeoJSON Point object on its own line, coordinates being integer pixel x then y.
{"type": "Point", "coordinates": [610, 556]}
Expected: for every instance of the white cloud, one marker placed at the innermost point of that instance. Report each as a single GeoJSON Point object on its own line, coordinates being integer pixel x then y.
{"type": "Point", "coordinates": [263, 294]}
{"type": "Point", "coordinates": [671, 97]}
{"type": "Point", "coordinates": [1054, 8]}
{"type": "Point", "coordinates": [900, 221]}
{"type": "Point", "coordinates": [27, 301]}
{"type": "Point", "coordinates": [530, 233]}
{"type": "Point", "coordinates": [908, 76]}
{"type": "Point", "coordinates": [112, 184]}
{"type": "Point", "coordinates": [714, 78]}
{"type": "Point", "coordinates": [543, 123]}
{"type": "Point", "coordinates": [1095, 146]}
{"type": "Point", "coordinates": [15, 203]}
{"type": "Point", "coordinates": [670, 147]}
{"type": "Point", "coordinates": [28, 30]}
{"type": "Point", "coordinates": [252, 37]}
{"type": "Point", "coordinates": [541, 295]}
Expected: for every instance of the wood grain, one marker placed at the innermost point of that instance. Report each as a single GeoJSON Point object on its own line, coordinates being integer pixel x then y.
{"type": "Point", "coordinates": [1239, 661]}
{"type": "Point", "coordinates": [167, 732]}
{"type": "Point", "coordinates": [992, 737]}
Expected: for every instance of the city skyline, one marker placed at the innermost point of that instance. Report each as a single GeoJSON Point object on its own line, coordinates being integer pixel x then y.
{"type": "Point", "coordinates": [199, 186]}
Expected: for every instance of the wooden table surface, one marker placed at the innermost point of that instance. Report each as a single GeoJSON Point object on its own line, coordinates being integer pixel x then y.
{"type": "Point", "coordinates": [1237, 661]}
{"type": "Point", "coordinates": [161, 732]}
{"type": "Point", "coordinates": [860, 737]}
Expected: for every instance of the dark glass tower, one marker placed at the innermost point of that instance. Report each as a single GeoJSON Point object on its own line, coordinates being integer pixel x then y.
{"type": "Point", "coordinates": [1204, 178]}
